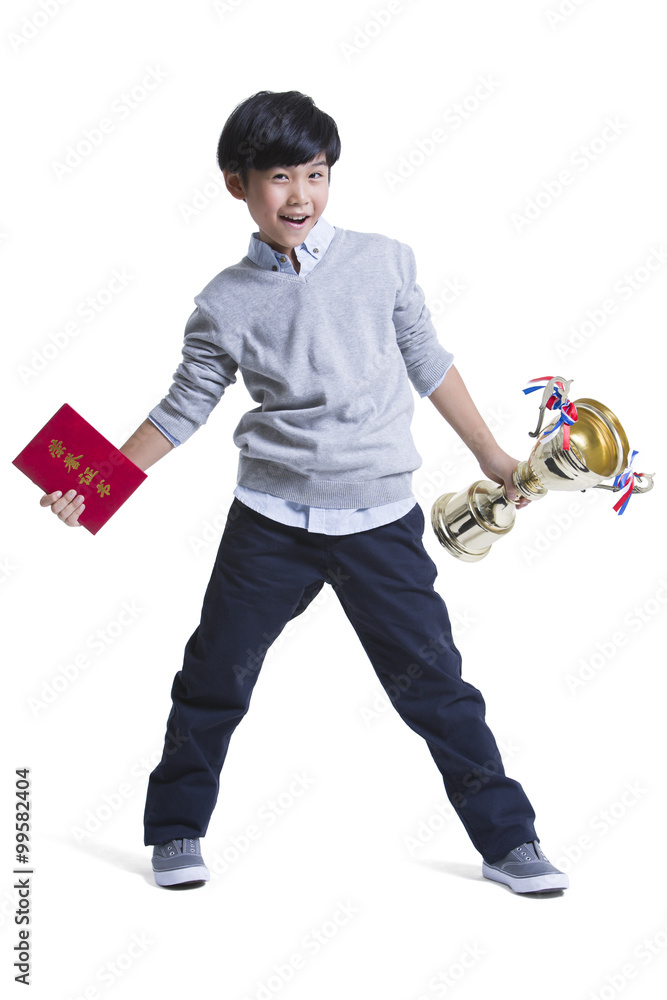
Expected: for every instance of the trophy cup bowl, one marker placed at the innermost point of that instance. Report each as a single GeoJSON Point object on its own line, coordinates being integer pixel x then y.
{"type": "Point", "coordinates": [469, 522]}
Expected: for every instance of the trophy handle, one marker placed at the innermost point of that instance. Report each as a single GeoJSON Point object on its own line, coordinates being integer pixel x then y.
{"type": "Point", "coordinates": [639, 487]}
{"type": "Point", "coordinates": [546, 396]}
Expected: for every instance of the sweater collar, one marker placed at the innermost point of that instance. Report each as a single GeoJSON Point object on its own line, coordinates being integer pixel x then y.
{"type": "Point", "coordinates": [312, 249]}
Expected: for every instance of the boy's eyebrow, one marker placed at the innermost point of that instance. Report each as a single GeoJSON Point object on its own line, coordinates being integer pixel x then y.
{"type": "Point", "coordinates": [320, 163]}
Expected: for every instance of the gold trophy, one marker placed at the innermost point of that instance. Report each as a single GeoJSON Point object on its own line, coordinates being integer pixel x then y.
{"type": "Point", "coordinates": [583, 447]}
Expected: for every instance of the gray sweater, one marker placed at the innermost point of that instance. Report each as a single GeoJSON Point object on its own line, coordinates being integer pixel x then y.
{"type": "Point", "coordinates": [328, 359]}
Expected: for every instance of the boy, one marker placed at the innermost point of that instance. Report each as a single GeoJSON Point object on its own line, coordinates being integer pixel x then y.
{"type": "Point", "coordinates": [327, 327]}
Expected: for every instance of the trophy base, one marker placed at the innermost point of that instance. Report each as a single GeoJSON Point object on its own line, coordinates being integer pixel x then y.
{"type": "Point", "coordinates": [445, 537]}
{"type": "Point", "coordinates": [467, 523]}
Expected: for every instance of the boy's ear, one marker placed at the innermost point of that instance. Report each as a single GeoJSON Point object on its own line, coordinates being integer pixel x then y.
{"type": "Point", "coordinates": [234, 185]}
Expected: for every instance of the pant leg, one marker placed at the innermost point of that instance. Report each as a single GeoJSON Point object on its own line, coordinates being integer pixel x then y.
{"type": "Point", "coordinates": [384, 581]}
{"type": "Point", "coordinates": [264, 575]}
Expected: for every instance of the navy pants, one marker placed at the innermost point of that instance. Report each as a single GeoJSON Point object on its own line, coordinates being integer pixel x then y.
{"type": "Point", "coordinates": [264, 575]}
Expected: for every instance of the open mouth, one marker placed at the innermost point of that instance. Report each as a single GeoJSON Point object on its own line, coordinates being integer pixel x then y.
{"type": "Point", "coordinates": [295, 221]}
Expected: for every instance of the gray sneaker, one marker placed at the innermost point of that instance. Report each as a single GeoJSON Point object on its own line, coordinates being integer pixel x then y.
{"type": "Point", "coordinates": [179, 863]}
{"type": "Point", "coordinates": [526, 869]}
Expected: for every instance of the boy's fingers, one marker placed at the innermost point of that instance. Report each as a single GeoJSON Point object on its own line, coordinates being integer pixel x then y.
{"type": "Point", "coordinates": [70, 513]}
{"type": "Point", "coordinates": [64, 503]}
{"type": "Point", "coordinates": [67, 508]}
{"type": "Point", "coordinates": [73, 520]}
{"type": "Point", "coordinates": [49, 498]}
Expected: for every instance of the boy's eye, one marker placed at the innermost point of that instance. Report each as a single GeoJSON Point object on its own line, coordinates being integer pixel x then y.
{"type": "Point", "coordinates": [315, 173]}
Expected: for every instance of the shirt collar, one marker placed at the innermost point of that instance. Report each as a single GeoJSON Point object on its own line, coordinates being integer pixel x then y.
{"type": "Point", "coordinates": [315, 245]}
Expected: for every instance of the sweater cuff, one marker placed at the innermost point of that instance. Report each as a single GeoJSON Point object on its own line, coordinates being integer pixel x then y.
{"type": "Point", "coordinates": [427, 377]}
{"type": "Point", "coordinates": [173, 425]}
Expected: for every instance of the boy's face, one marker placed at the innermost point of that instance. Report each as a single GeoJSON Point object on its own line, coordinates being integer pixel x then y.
{"type": "Point", "coordinates": [273, 194]}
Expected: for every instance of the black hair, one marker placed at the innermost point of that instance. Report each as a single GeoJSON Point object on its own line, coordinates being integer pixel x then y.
{"type": "Point", "coordinates": [276, 129]}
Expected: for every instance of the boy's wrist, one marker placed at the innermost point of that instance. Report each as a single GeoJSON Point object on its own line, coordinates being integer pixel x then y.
{"type": "Point", "coordinates": [484, 446]}
{"type": "Point", "coordinates": [146, 446]}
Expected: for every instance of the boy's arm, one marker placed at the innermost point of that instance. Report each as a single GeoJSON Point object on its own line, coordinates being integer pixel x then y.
{"type": "Point", "coordinates": [453, 401]}
{"type": "Point", "coordinates": [145, 447]}
{"type": "Point", "coordinates": [204, 373]}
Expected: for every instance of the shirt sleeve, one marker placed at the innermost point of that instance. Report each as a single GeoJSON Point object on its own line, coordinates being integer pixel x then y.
{"type": "Point", "coordinates": [200, 380]}
{"type": "Point", "coordinates": [426, 360]}
{"type": "Point", "coordinates": [165, 432]}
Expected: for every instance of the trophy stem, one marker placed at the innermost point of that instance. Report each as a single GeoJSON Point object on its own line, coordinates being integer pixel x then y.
{"type": "Point", "coordinates": [527, 482]}
{"type": "Point", "coordinates": [469, 522]}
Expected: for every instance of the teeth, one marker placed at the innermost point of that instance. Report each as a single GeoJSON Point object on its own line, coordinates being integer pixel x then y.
{"type": "Point", "coordinates": [295, 218]}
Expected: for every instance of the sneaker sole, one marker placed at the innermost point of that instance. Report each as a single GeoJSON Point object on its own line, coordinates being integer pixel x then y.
{"type": "Point", "coordinates": [538, 883]}
{"type": "Point", "coordinates": [177, 876]}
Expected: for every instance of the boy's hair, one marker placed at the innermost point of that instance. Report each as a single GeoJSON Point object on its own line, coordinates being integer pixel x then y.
{"type": "Point", "coordinates": [273, 129]}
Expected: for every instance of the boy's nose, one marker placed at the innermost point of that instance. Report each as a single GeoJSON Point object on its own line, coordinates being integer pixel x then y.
{"type": "Point", "coordinates": [297, 197]}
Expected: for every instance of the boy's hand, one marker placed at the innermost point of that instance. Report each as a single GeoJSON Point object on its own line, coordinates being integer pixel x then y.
{"type": "Point", "coordinates": [499, 467]}
{"type": "Point", "coordinates": [144, 448]}
{"type": "Point", "coordinates": [452, 400]}
{"type": "Point", "coordinates": [67, 507]}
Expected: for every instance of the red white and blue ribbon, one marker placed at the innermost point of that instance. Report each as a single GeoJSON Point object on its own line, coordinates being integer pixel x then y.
{"type": "Point", "coordinates": [626, 483]}
{"type": "Point", "coordinates": [557, 401]}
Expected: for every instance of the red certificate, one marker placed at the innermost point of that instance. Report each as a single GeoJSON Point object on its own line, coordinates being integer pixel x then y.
{"type": "Point", "coordinates": [68, 453]}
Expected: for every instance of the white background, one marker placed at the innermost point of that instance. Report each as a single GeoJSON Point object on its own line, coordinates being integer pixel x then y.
{"type": "Point", "coordinates": [559, 627]}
